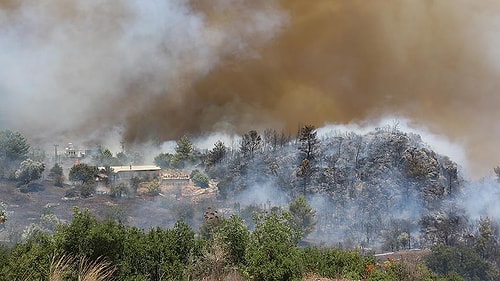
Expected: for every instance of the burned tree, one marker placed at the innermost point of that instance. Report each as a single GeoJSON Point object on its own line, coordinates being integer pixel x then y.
{"type": "Point", "coordinates": [308, 143]}
{"type": "Point", "coordinates": [250, 143]}
{"type": "Point", "coordinates": [216, 154]}
{"type": "Point", "coordinates": [308, 150]}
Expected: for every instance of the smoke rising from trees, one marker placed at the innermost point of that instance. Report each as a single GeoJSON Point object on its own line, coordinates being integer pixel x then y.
{"type": "Point", "coordinates": [162, 69]}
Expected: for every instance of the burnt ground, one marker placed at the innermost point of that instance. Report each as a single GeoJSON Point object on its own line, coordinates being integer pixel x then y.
{"type": "Point", "coordinates": [26, 208]}
{"type": "Point", "coordinates": [142, 211]}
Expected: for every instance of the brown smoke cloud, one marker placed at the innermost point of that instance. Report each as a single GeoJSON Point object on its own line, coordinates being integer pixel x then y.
{"type": "Point", "coordinates": [345, 61]}
{"type": "Point", "coordinates": [235, 65]}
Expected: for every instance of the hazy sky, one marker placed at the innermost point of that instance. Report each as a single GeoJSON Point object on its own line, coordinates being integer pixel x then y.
{"type": "Point", "coordinates": [160, 69]}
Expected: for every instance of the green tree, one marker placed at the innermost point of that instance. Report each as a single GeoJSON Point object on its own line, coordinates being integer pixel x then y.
{"type": "Point", "coordinates": [168, 251]}
{"type": "Point", "coordinates": [184, 153]}
{"type": "Point", "coordinates": [87, 237]}
{"type": "Point", "coordinates": [200, 179]}
{"type": "Point", "coordinates": [335, 263]}
{"type": "Point", "coordinates": [234, 233]}
{"type": "Point", "coordinates": [302, 215]}
{"type": "Point", "coordinates": [119, 190]}
{"type": "Point", "coordinates": [153, 188]}
{"type": "Point", "coordinates": [442, 228]}
{"type": "Point", "coordinates": [184, 147]}
{"type": "Point", "coordinates": [117, 213]}
{"type": "Point", "coordinates": [86, 190]}
{"type": "Point", "coordinates": [29, 171]}
{"type": "Point", "coordinates": [13, 146]}
{"type": "Point", "coordinates": [486, 245]}
{"type": "Point", "coordinates": [163, 160]}
{"type": "Point", "coordinates": [72, 238]}
{"type": "Point", "coordinates": [397, 235]}
{"type": "Point", "coordinates": [56, 173]}
{"type": "Point", "coordinates": [211, 221]}
{"type": "Point", "coordinates": [216, 154]}
{"type": "Point", "coordinates": [104, 157]}
{"type": "Point", "coordinates": [134, 183]}
{"type": "Point", "coordinates": [46, 226]}
{"type": "Point", "coordinates": [250, 143]}
{"type": "Point", "coordinates": [460, 259]}
{"type": "Point", "coordinates": [83, 173]}
{"type": "Point", "coordinates": [29, 260]}
{"type": "Point", "coordinates": [272, 252]}
{"type": "Point", "coordinates": [308, 143]}
{"type": "Point", "coordinates": [105, 174]}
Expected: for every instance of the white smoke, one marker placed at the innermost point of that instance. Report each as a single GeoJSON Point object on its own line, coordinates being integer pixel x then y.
{"type": "Point", "coordinates": [439, 143]}
{"type": "Point", "coordinates": [480, 199]}
{"type": "Point", "coordinates": [83, 66]}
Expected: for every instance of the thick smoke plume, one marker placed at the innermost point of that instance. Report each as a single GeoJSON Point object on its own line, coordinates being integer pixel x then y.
{"type": "Point", "coordinates": [161, 69]}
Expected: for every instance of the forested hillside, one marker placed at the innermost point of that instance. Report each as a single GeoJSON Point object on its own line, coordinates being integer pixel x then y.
{"type": "Point", "coordinates": [318, 203]}
{"type": "Point", "coordinates": [364, 187]}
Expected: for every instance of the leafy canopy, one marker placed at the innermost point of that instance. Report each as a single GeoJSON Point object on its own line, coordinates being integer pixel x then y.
{"type": "Point", "coordinates": [83, 173]}
{"type": "Point", "coordinates": [29, 171]}
{"type": "Point", "coordinates": [302, 215]}
{"type": "Point", "coordinates": [13, 145]}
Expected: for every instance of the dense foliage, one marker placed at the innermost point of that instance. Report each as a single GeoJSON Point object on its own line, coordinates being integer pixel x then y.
{"type": "Point", "coordinates": [83, 173]}
{"type": "Point", "coordinates": [385, 189]}
{"type": "Point", "coordinates": [13, 145]}
{"type": "Point", "coordinates": [199, 179]}
{"type": "Point", "coordinates": [270, 252]}
{"type": "Point", "coordinates": [14, 148]}
{"type": "Point", "coordinates": [57, 175]}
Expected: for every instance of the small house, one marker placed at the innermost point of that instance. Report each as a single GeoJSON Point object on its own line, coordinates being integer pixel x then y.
{"type": "Point", "coordinates": [125, 173]}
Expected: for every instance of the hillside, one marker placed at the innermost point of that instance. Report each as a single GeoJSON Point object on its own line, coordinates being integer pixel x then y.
{"type": "Point", "coordinates": [363, 186]}
{"type": "Point", "coordinates": [367, 189]}
{"type": "Point", "coordinates": [381, 191]}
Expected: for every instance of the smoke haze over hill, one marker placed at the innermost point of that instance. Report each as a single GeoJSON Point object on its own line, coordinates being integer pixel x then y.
{"type": "Point", "coordinates": [161, 69]}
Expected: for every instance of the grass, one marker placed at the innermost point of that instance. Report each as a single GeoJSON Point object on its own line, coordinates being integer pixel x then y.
{"type": "Point", "coordinates": [82, 269]}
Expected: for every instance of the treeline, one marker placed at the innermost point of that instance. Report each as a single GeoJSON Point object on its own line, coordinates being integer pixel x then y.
{"type": "Point", "coordinates": [369, 189]}
{"type": "Point", "coordinates": [384, 189]}
{"type": "Point", "coordinates": [223, 249]}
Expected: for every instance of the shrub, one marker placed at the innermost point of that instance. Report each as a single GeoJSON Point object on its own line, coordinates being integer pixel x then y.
{"type": "Point", "coordinates": [56, 173]}
{"type": "Point", "coordinates": [153, 188]}
{"type": "Point", "coordinates": [119, 190]}
{"type": "Point", "coordinates": [334, 263]}
{"type": "Point", "coordinates": [272, 252]}
{"type": "Point", "coordinates": [71, 192]}
{"type": "Point", "coordinates": [25, 188]}
{"type": "Point", "coordinates": [86, 190]}
{"type": "Point", "coordinates": [460, 259]}
{"type": "Point", "coordinates": [200, 179]}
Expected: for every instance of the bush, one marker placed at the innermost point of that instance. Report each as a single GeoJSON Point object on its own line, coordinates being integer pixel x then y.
{"type": "Point", "coordinates": [86, 190]}
{"type": "Point", "coordinates": [463, 260]}
{"type": "Point", "coordinates": [153, 188]}
{"type": "Point", "coordinates": [272, 252]}
{"type": "Point", "coordinates": [200, 179]}
{"type": "Point", "coordinates": [119, 190]}
{"type": "Point", "coordinates": [56, 173]}
{"type": "Point", "coordinates": [333, 263]}
{"type": "Point", "coordinates": [25, 188]}
{"type": "Point", "coordinates": [29, 260]}
{"type": "Point", "coordinates": [234, 233]}
{"type": "Point", "coordinates": [71, 192]}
